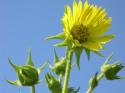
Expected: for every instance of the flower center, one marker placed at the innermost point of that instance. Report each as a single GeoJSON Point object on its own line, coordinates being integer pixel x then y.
{"type": "Point", "coordinates": [80, 33]}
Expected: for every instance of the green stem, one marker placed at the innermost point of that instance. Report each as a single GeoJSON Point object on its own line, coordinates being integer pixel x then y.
{"type": "Point", "coordinates": [33, 89]}
{"type": "Point", "coordinates": [69, 54]}
{"type": "Point", "coordinates": [90, 90]}
{"type": "Point", "coordinates": [100, 77]}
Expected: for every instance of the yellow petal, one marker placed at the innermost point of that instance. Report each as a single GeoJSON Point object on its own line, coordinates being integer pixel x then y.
{"type": "Point", "coordinates": [85, 11]}
{"type": "Point", "coordinates": [75, 10]}
{"type": "Point", "coordinates": [94, 46]}
{"type": "Point", "coordinates": [67, 19]}
{"type": "Point", "coordinates": [70, 18]}
{"type": "Point", "coordinates": [89, 15]}
{"type": "Point", "coordinates": [101, 27]}
{"type": "Point", "coordinates": [68, 10]}
{"type": "Point", "coordinates": [94, 15]}
{"type": "Point", "coordinates": [103, 39]}
{"type": "Point", "coordinates": [80, 4]}
{"type": "Point", "coordinates": [101, 15]}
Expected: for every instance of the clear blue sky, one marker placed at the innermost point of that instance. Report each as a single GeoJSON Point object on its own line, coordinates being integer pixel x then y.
{"type": "Point", "coordinates": [26, 23]}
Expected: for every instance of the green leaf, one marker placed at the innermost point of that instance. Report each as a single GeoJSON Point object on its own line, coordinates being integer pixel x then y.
{"type": "Point", "coordinates": [42, 67]}
{"type": "Point", "coordinates": [16, 68]}
{"type": "Point", "coordinates": [78, 52]}
{"type": "Point", "coordinates": [98, 53]}
{"type": "Point", "coordinates": [58, 36]}
{"type": "Point", "coordinates": [64, 43]}
{"type": "Point", "coordinates": [55, 56]}
{"type": "Point", "coordinates": [50, 66]}
{"type": "Point", "coordinates": [87, 53]}
{"type": "Point", "coordinates": [109, 58]}
{"type": "Point", "coordinates": [93, 82]}
{"type": "Point", "coordinates": [29, 59]}
{"type": "Point", "coordinates": [16, 83]}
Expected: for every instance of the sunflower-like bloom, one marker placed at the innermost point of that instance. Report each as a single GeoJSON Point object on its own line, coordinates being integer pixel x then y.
{"type": "Point", "coordinates": [84, 26]}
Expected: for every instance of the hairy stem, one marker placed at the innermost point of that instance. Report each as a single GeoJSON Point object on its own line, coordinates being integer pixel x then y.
{"type": "Point", "coordinates": [69, 54]}
{"type": "Point", "coordinates": [90, 90]}
{"type": "Point", "coordinates": [33, 89]}
{"type": "Point", "coordinates": [100, 77]}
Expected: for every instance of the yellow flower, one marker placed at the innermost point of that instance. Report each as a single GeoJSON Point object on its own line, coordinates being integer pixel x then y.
{"type": "Point", "coordinates": [84, 25]}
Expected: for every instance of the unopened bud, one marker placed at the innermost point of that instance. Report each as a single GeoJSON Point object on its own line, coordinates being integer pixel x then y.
{"type": "Point", "coordinates": [93, 82]}
{"type": "Point", "coordinates": [60, 66]}
{"type": "Point", "coordinates": [53, 83]}
{"type": "Point", "coordinates": [111, 70]}
{"type": "Point", "coordinates": [28, 75]}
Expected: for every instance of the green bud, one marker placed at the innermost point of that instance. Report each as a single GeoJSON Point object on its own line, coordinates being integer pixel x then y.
{"type": "Point", "coordinates": [59, 67]}
{"type": "Point", "coordinates": [28, 75]}
{"type": "Point", "coordinates": [59, 64]}
{"type": "Point", "coordinates": [53, 83]}
{"type": "Point", "coordinates": [93, 82]}
{"type": "Point", "coordinates": [111, 70]}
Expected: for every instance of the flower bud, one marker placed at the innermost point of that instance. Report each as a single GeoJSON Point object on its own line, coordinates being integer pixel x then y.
{"type": "Point", "coordinates": [93, 82]}
{"type": "Point", "coordinates": [110, 70]}
{"type": "Point", "coordinates": [59, 67]}
{"type": "Point", "coordinates": [53, 83]}
{"type": "Point", "coordinates": [59, 64]}
{"type": "Point", "coordinates": [28, 75]}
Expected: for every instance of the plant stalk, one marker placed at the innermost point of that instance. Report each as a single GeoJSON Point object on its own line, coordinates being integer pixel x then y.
{"type": "Point", "coordinates": [100, 77]}
{"type": "Point", "coordinates": [69, 54]}
{"type": "Point", "coordinates": [89, 90]}
{"type": "Point", "coordinates": [33, 89]}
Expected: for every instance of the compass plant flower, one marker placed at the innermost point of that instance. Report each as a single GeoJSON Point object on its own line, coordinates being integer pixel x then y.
{"type": "Point", "coordinates": [28, 74]}
{"type": "Point", "coordinates": [84, 27]}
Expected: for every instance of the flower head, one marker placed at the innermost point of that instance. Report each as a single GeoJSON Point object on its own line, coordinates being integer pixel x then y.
{"type": "Point", "coordinates": [84, 26]}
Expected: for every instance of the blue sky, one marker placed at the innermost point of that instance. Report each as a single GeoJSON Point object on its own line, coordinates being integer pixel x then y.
{"type": "Point", "coordinates": [26, 23]}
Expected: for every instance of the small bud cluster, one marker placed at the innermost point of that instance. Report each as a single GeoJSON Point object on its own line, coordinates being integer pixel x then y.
{"type": "Point", "coordinates": [109, 71]}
